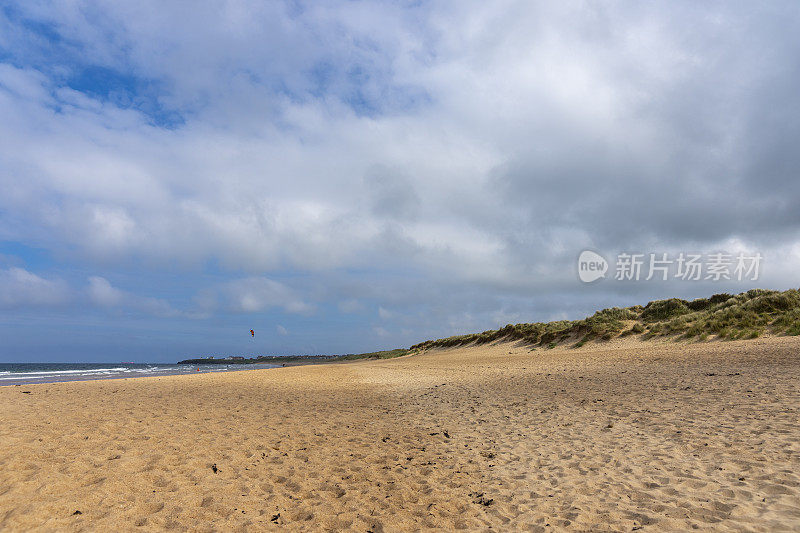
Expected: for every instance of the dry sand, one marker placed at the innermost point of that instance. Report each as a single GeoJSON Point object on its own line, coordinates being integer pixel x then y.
{"type": "Point", "coordinates": [614, 438]}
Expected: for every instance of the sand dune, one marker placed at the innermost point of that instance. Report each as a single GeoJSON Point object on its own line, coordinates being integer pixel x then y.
{"type": "Point", "coordinates": [614, 438]}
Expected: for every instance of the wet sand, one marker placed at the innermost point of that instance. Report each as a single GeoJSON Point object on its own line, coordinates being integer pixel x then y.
{"type": "Point", "coordinates": [617, 437]}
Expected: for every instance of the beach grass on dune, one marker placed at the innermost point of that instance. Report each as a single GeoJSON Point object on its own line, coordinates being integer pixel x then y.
{"type": "Point", "coordinates": [724, 316]}
{"type": "Point", "coordinates": [384, 354]}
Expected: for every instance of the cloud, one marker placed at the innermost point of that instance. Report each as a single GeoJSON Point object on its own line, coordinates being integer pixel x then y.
{"type": "Point", "coordinates": [391, 194]}
{"type": "Point", "coordinates": [471, 181]}
{"type": "Point", "coordinates": [20, 288]}
{"type": "Point", "coordinates": [281, 330]}
{"type": "Point", "coordinates": [252, 295]}
{"type": "Point", "coordinates": [102, 294]}
{"type": "Point", "coordinates": [447, 162]}
{"type": "Point", "coordinates": [350, 305]}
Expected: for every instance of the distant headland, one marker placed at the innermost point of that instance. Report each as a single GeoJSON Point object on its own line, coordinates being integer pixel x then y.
{"type": "Point", "coordinates": [291, 359]}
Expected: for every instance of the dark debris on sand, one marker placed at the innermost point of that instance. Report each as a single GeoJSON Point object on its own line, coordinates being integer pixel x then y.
{"type": "Point", "coordinates": [480, 498]}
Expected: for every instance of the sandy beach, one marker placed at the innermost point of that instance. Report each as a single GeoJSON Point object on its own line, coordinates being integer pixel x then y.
{"type": "Point", "coordinates": [610, 437]}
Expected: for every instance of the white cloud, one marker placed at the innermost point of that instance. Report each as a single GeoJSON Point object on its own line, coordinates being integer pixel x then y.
{"type": "Point", "coordinates": [350, 305]}
{"type": "Point", "coordinates": [101, 293]}
{"type": "Point", "coordinates": [21, 288]}
{"type": "Point", "coordinates": [281, 330]}
{"type": "Point", "coordinates": [252, 295]}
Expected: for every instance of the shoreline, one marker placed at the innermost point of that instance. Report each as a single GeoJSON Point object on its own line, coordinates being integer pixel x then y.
{"type": "Point", "coordinates": [8, 380]}
{"type": "Point", "coordinates": [118, 371]}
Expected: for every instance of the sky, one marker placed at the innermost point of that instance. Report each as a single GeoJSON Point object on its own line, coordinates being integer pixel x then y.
{"type": "Point", "coordinates": [349, 176]}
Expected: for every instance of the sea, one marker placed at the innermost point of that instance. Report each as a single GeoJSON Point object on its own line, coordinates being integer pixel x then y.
{"type": "Point", "coordinates": [30, 373]}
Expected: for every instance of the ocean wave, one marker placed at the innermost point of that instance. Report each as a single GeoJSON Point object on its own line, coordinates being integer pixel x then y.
{"type": "Point", "coordinates": [85, 371]}
{"type": "Point", "coordinates": [59, 375]}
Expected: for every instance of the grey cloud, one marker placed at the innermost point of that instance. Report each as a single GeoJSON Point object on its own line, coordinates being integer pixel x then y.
{"type": "Point", "coordinates": [391, 194]}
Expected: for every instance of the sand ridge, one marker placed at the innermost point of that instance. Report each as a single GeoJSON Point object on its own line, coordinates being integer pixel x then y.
{"type": "Point", "coordinates": [615, 437]}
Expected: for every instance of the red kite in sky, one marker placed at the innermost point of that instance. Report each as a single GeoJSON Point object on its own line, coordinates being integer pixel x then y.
{"type": "Point", "coordinates": [252, 333]}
